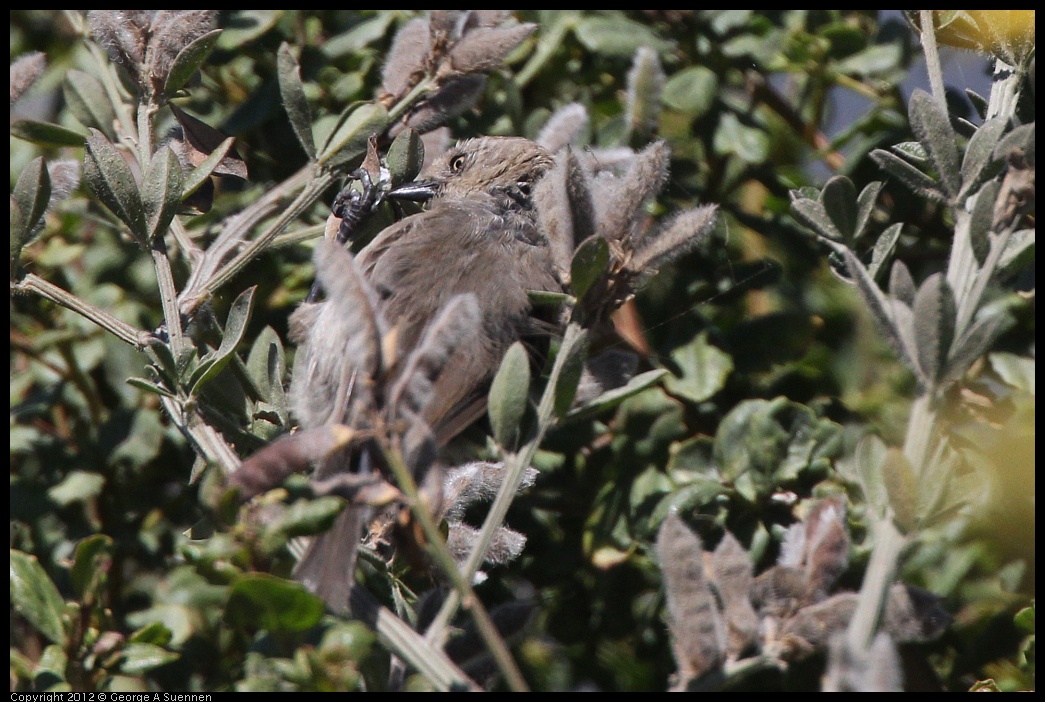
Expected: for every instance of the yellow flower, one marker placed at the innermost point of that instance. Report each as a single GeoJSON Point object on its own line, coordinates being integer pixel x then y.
{"type": "Point", "coordinates": [1008, 34]}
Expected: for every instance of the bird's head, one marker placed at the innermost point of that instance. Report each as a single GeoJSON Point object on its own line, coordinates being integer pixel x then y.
{"type": "Point", "coordinates": [500, 166]}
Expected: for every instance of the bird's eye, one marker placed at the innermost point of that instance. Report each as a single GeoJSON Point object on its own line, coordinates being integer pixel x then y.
{"type": "Point", "coordinates": [457, 164]}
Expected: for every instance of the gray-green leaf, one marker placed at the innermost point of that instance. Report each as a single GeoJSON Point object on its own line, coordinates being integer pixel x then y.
{"type": "Point", "coordinates": [569, 375]}
{"type": "Point", "coordinates": [865, 205]}
{"type": "Point", "coordinates": [839, 200]}
{"type": "Point", "coordinates": [31, 194]}
{"type": "Point", "coordinates": [293, 93]}
{"type": "Point", "coordinates": [87, 100]}
{"type": "Point", "coordinates": [990, 323]}
{"type": "Point", "coordinates": [509, 395]}
{"type": "Point", "coordinates": [45, 133]}
{"type": "Point", "coordinates": [918, 182]}
{"type": "Point", "coordinates": [110, 178]}
{"type": "Point", "coordinates": [189, 59]}
{"type": "Point", "coordinates": [589, 262]}
{"type": "Point", "coordinates": [235, 326]}
{"type": "Point", "coordinates": [883, 249]}
{"type": "Point", "coordinates": [813, 215]}
{"type": "Point", "coordinates": [934, 319]}
{"type": "Point", "coordinates": [162, 190]}
{"type": "Point", "coordinates": [902, 489]}
{"type": "Point", "coordinates": [931, 125]}
{"type": "Point", "coordinates": [405, 156]}
{"type": "Point", "coordinates": [979, 154]}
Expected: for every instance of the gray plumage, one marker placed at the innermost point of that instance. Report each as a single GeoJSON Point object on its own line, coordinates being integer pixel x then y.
{"type": "Point", "coordinates": [479, 236]}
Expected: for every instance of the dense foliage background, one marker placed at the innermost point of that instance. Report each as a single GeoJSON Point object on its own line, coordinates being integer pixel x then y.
{"type": "Point", "coordinates": [129, 572]}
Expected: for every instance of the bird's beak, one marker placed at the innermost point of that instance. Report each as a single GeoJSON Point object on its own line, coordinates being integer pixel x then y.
{"type": "Point", "coordinates": [413, 192]}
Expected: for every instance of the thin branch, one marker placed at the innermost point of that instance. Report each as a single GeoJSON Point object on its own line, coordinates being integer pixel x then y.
{"type": "Point", "coordinates": [515, 468]}
{"type": "Point", "coordinates": [932, 56]}
{"type": "Point", "coordinates": [462, 585]}
{"type": "Point", "coordinates": [118, 328]}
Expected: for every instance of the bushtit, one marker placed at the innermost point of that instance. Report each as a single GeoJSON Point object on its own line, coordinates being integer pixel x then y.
{"type": "Point", "coordinates": [478, 235]}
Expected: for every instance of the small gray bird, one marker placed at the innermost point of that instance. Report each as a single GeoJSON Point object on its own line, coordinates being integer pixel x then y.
{"type": "Point", "coordinates": [478, 235]}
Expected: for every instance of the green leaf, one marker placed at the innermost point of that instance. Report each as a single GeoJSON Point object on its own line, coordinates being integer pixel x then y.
{"type": "Point", "coordinates": [142, 444]}
{"type": "Point", "coordinates": [932, 126]}
{"type": "Point", "coordinates": [704, 369]}
{"type": "Point", "coordinates": [874, 60]}
{"type": "Point", "coordinates": [294, 102]}
{"type": "Point", "coordinates": [138, 658]}
{"type": "Point", "coordinates": [45, 134]}
{"type": "Point", "coordinates": [235, 327]}
{"type": "Point", "coordinates": [589, 263]}
{"type": "Point", "coordinates": [154, 633]}
{"type": "Point", "coordinates": [149, 387]}
{"type": "Point", "coordinates": [188, 60]}
{"type": "Point", "coordinates": [733, 137]}
{"type": "Point", "coordinates": [260, 601]}
{"type": "Point", "coordinates": [77, 486]}
{"type": "Point", "coordinates": [612, 398]}
{"type": "Point", "coordinates": [762, 444]}
{"type": "Point", "coordinates": [349, 138]}
{"type": "Point", "coordinates": [1017, 371]}
{"type": "Point", "coordinates": [91, 561]}
{"type": "Point", "coordinates": [689, 498]}
{"type": "Point", "coordinates": [914, 179]}
{"type": "Point", "coordinates": [405, 157]}
{"type": "Point", "coordinates": [87, 100]}
{"type": "Point", "coordinates": [160, 354]}
{"type": "Point", "coordinates": [692, 90]}
{"type": "Point", "coordinates": [35, 597]}
{"type": "Point", "coordinates": [110, 178]}
{"type": "Point", "coordinates": [31, 195]}
{"type": "Point", "coordinates": [901, 488]}
{"type": "Point", "coordinates": [1024, 619]}
{"type": "Point", "coordinates": [51, 669]}
{"type": "Point", "coordinates": [547, 297]}
{"type": "Point", "coordinates": [839, 200]}
{"type": "Point", "coordinates": [360, 35]}
{"type": "Point", "coordinates": [934, 318]}
{"type": "Point", "coordinates": [244, 26]}
{"type": "Point", "coordinates": [618, 36]}
{"type": "Point", "coordinates": [162, 191]}
{"type": "Point", "coordinates": [509, 395]}
{"type": "Point", "coordinates": [266, 365]}
{"type": "Point", "coordinates": [302, 518]}
{"type": "Point", "coordinates": [569, 376]}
